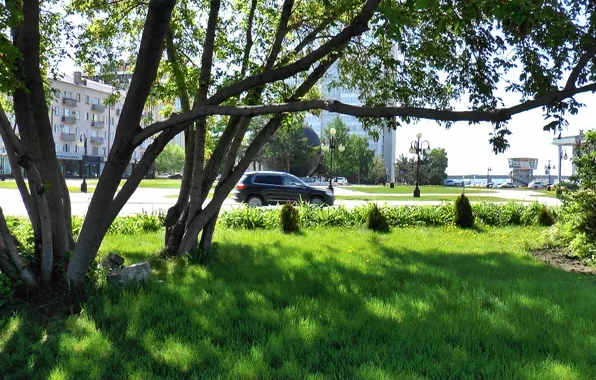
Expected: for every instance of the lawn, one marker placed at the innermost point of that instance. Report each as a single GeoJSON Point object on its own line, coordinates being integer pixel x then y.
{"type": "Point", "coordinates": [11, 184]}
{"type": "Point", "coordinates": [341, 303]}
{"type": "Point", "coordinates": [410, 189]}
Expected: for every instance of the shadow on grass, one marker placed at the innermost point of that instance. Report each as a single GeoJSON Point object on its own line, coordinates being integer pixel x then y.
{"type": "Point", "coordinates": [263, 312]}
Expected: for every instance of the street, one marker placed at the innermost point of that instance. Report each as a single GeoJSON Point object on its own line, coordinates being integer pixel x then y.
{"type": "Point", "coordinates": [155, 200]}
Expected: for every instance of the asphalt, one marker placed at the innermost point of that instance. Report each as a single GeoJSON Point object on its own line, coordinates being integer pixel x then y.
{"type": "Point", "coordinates": [156, 200]}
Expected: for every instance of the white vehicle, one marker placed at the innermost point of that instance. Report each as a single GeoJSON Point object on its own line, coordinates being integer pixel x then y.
{"type": "Point", "coordinates": [536, 185]}
{"type": "Point", "coordinates": [341, 180]}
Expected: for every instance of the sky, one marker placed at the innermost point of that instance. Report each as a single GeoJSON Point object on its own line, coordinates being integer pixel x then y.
{"type": "Point", "coordinates": [467, 146]}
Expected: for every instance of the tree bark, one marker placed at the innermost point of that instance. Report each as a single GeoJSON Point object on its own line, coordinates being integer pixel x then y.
{"type": "Point", "coordinates": [97, 223]}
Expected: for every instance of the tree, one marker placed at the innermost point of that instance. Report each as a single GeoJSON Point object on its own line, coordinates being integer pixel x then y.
{"type": "Point", "coordinates": [419, 55]}
{"type": "Point", "coordinates": [170, 160]}
{"type": "Point", "coordinates": [432, 168]}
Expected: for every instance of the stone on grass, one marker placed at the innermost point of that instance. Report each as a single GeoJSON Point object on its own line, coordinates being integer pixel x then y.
{"type": "Point", "coordinates": [117, 259]}
{"type": "Point", "coordinates": [109, 265]}
{"type": "Point", "coordinates": [131, 274]}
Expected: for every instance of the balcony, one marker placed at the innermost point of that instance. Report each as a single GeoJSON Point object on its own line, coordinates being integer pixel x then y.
{"type": "Point", "coordinates": [96, 140]}
{"type": "Point", "coordinates": [68, 136]}
{"type": "Point", "coordinates": [69, 102]}
{"type": "Point", "coordinates": [98, 107]}
{"type": "Point", "coordinates": [97, 124]}
{"type": "Point", "coordinates": [69, 119]}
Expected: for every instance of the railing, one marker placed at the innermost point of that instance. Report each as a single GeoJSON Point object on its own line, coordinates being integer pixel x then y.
{"type": "Point", "coordinates": [98, 107]}
{"type": "Point", "coordinates": [68, 136]}
{"type": "Point", "coordinates": [96, 140]}
{"type": "Point", "coordinates": [69, 102]}
{"type": "Point", "coordinates": [69, 119]}
{"type": "Point", "coordinates": [97, 124]}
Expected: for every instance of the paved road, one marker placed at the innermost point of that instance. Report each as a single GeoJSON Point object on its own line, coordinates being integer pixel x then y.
{"type": "Point", "coordinates": [150, 200]}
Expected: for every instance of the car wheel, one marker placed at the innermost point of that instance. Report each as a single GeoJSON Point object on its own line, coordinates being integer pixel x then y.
{"type": "Point", "coordinates": [254, 201]}
{"type": "Point", "coordinates": [317, 201]}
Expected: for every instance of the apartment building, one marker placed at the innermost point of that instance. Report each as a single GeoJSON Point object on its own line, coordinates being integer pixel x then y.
{"type": "Point", "coordinates": [81, 116]}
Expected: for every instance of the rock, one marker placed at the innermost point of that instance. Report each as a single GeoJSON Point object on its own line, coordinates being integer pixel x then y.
{"type": "Point", "coordinates": [116, 258]}
{"type": "Point", "coordinates": [109, 265]}
{"type": "Point", "coordinates": [130, 274]}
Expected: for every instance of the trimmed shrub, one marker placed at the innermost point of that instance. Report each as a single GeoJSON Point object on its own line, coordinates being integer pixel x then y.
{"type": "Point", "coordinates": [545, 217]}
{"type": "Point", "coordinates": [376, 220]}
{"type": "Point", "coordinates": [290, 218]}
{"type": "Point", "coordinates": [464, 217]}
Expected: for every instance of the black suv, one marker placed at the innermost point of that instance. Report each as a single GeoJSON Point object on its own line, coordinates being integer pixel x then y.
{"type": "Point", "coordinates": [262, 188]}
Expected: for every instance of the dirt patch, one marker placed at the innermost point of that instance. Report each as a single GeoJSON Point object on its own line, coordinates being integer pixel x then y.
{"type": "Point", "coordinates": [560, 260]}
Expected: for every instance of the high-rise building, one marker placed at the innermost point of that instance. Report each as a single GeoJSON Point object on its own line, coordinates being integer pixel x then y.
{"type": "Point", "coordinates": [384, 146]}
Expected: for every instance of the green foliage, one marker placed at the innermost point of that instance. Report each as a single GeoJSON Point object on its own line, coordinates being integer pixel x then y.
{"type": "Point", "coordinates": [464, 217]}
{"type": "Point", "coordinates": [486, 214]}
{"type": "Point", "coordinates": [576, 225]}
{"type": "Point", "coordinates": [376, 220]}
{"type": "Point", "coordinates": [170, 160]}
{"type": "Point", "coordinates": [545, 217]}
{"type": "Point", "coordinates": [6, 290]}
{"type": "Point", "coordinates": [433, 168]}
{"type": "Point", "coordinates": [290, 218]}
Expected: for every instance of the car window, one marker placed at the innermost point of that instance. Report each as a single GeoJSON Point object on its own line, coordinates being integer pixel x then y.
{"type": "Point", "coordinates": [292, 181]}
{"type": "Point", "coordinates": [268, 179]}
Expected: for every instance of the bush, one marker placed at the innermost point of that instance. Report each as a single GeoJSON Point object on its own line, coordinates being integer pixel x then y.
{"type": "Point", "coordinates": [6, 290]}
{"type": "Point", "coordinates": [488, 214]}
{"type": "Point", "coordinates": [376, 220]}
{"type": "Point", "coordinates": [464, 217]}
{"type": "Point", "coordinates": [545, 217]}
{"type": "Point", "coordinates": [290, 218]}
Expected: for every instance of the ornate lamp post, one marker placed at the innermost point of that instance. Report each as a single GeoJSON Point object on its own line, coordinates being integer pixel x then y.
{"type": "Point", "coordinates": [417, 148]}
{"type": "Point", "coordinates": [2, 154]}
{"type": "Point", "coordinates": [547, 169]}
{"type": "Point", "coordinates": [83, 143]}
{"type": "Point", "coordinates": [330, 147]}
{"type": "Point", "coordinates": [488, 177]}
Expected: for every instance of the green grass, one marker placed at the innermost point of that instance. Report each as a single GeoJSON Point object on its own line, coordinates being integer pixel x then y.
{"type": "Point", "coordinates": [11, 184]}
{"type": "Point", "coordinates": [445, 198]}
{"type": "Point", "coordinates": [410, 189]}
{"type": "Point", "coordinates": [338, 303]}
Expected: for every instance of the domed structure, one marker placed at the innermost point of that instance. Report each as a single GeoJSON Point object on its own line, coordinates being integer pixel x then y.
{"type": "Point", "coordinates": [302, 168]}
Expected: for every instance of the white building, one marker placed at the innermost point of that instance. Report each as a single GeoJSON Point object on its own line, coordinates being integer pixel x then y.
{"type": "Point", "coordinates": [383, 147]}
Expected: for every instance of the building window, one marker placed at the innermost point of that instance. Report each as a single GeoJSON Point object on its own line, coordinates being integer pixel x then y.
{"type": "Point", "coordinates": [77, 115]}
{"type": "Point", "coordinates": [79, 98]}
{"type": "Point", "coordinates": [55, 128]}
{"type": "Point", "coordinates": [76, 148]}
{"type": "Point", "coordinates": [95, 151]}
{"type": "Point", "coordinates": [86, 99]}
{"type": "Point", "coordinates": [104, 152]}
{"type": "Point", "coordinates": [112, 121]}
{"type": "Point", "coordinates": [96, 101]}
{"type": "Point", "coordinates": [94, 117]}
{"type": "Point", "coordinates": [86, 115]}
{"type": "Point", "coordinates": [65, 129]}
{"type": "Point", "coordinates": [66, 148]}
{"type": "Point", "coordinates": [57, 148]}
{"type": "Point", "coordinates": [94, 133]}
{"type": "Point", "coordinates": [104, 119]}
{"type": "Point", "coordinates": [68, 94]}
{"type": "Point", "coordinates": [105, 135]}
{"type": "Point", "coordinates": [56, 111]}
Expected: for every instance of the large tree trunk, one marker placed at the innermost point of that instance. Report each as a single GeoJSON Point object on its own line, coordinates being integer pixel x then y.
{"type": "Point", "coordinates": [98, 220]}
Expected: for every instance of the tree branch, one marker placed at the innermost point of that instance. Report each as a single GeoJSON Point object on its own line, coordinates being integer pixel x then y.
{"type": "Point", "coordinates": [581, 64]}
{"type": "Point", "coordinates": [357, 27]}
{"type": "Point", "coordinates": [249, 40]}
{"type": "Point", "coordinates": [502, 114]}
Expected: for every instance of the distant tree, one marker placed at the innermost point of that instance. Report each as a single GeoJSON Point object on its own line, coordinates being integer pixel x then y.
{"type": "Point", "coordinates": [289, 147]}
{"type": "Point", "coordinates": [435, 167]}
{"type": "Point", "coordinates": [170, 160]}
{"type": "Point", "coordinates": [376, 171]}
{"type": "Point", "coordinates": [432, 169]}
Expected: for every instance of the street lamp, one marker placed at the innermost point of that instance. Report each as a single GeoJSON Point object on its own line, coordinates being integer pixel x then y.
{"type": "Point", "coordinates": [330, 148]}
{"type": "Point", "coordinates": [2, 154]}
{"type": "Point", "coordinates": [547, 169]}
{"type": "Point", "coordinates": [416, 147]}
{"type": "Point", "coordinates": [83, 143]}
{"type": "Point", "coordinates": [488, 176]}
